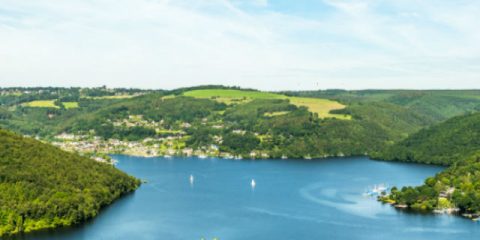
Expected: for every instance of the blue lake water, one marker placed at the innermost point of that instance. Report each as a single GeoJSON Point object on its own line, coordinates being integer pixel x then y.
{"type": "Point", "coordinates": [292, 199]}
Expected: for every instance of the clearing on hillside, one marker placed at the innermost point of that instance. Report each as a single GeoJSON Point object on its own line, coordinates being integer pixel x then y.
{"type": "Point", "coordinates": [320, 106]}
{"type": "Point", "coordinates": [229, 96]}
{"type": "Point", "coordinates": [274, 114]}
{"type": "Point", "coordinates": [41, 103]}
{"type": "Point", "coordinates": [70, 105]}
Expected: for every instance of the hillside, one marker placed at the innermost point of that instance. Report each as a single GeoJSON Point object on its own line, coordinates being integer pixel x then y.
{"type": "Point", "coordinates": [453, 190]}
{"type": "Point", "coordinates": [455, 142]}
{"type": "Point", "coordinates": [42, 111]}
{"type": "Point", "coordinates": [445, 143]}
{"type": "Point", "coordinates": [322, 107]}
{"type": "Point", "coordinates": [44, 187]}
{"type": "Point", "coordinates": [247, 123]}
{"type": "Point", "coordinates": [439, 105]}
{"type": "Point", "coordinates": [209, 120]}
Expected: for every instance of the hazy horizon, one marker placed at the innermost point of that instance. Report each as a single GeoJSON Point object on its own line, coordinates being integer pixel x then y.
{"type": "Point", "coordinates": [246, 88]}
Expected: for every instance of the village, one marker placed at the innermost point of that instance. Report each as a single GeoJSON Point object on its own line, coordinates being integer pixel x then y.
{"type": "Point", "coordinates": [167, 147]}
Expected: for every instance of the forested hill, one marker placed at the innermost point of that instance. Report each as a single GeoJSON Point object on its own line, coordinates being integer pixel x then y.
{"type": "Point", "coordinates": [455, 142]}
{"type": "Point", "coordinates": [439, 105]}
{"type": "Point", "coordinates": [242, 122]}
{"type": "Point", "coordinates": [228, 121]}
{"type": "Point", "coordinates": [42, 186]}
{"type": "Point", "coordinates": [446, 143]}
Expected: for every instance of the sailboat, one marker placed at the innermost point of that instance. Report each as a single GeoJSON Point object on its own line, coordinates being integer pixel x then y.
{"type": "Point", "coordinates": [253, 183]}
{"type": "Point", "coordinates": [376, 190]}
{"type": "Point", "coordinates": [191, 179]}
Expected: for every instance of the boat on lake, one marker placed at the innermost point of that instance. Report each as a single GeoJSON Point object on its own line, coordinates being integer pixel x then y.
{"type": "Point", "coordinates": [192, 179]}
{"type": "Point", "coordinates": [376, 190]}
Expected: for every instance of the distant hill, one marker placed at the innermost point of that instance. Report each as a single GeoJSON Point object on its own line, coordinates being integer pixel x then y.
{"type": "Point", "coordinates": [445, 143]}
{"type": "Point", "coordinates": [440, 105]}
{"type": "Point", "coordinates": [296, 124]}
{"type": "Point", "coordinates": [273, 124]}
{"type": "Point", "coordinates": [42, 186]}
{"type": "Point", "coordinates": [437, 104]}
{"type": "Point", "coordinates": [322, 107]}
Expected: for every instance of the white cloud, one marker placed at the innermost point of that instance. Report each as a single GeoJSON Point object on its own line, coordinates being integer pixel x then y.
{"type": "Point", "coordinates": [168, 44]}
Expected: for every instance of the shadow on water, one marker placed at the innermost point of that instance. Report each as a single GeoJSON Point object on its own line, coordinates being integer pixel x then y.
{"type": "Point", "coordinates": [67, 232]}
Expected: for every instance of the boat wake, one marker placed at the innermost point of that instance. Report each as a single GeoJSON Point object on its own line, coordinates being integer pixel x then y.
{"type": "Point", "coordinates": [346, 202]}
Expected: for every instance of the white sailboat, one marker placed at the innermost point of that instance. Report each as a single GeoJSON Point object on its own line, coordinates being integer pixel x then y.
{"type": "Point", "coordinates": [253, 183]}
{"type": "Point", "coordinates": [377, 190]}
{"type": "Point", "coordinates": [192, 179]}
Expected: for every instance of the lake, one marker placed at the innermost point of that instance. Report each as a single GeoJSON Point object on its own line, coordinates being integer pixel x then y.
{"type": "Point", "coordinates": [292, 199]}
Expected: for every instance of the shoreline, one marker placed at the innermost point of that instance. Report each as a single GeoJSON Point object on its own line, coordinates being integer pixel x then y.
{"type": "Point", "coordinates": [446, 211]}
{"type": "Point", "coordinates": [13, 235]}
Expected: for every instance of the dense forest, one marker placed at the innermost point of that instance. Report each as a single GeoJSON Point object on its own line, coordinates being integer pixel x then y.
{"type": "Point", "coordinates": [42, 186]}
{"type": "Point", "coordinates": [445, 143]}
{"type": "Point", "coordinates": [455, 189]}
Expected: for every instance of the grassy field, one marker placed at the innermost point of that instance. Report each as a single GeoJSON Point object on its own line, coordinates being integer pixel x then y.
{"type": "Point", "coordinates": [70, 105]}
{"type": "Point", "coordinates": [273, 114]}
{"type": "Point", "coordinates": [320, 106]}
{"type": "Point", "coordinates": [41, 103]}
{"type": "Point", "coordinates": [229, 96]}
{"type": "Point", "coordinates": [168, 97]}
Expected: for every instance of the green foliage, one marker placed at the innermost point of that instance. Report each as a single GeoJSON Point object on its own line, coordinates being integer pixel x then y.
{"type": "Point", "coordinates": [44, 187]}
{"type": "Point", "coordinates": [246, 115]}
{"type": "Point", "coordinates": [437, 104]}
{"type": "Point", "coordinates": [135, 133]}
{"type": "Point", "coordinates": [322, 107]}
{"type": "Point", "coordinates": [383, 123]}
{"type": "Point", "coordinates": [200, 137]}
{"type": "Point", "coordinates": [397, 121]}
{"type": "Point", "coordinates": [445, 143]}
{"type": "Point", "coordinates": [457, 186]}
{"type": "Point", "coordinates": [152, 107]}
{"type": "Point", "coordinates": [453, 143]}
{"type": "Point", "coordinates": [187, 109]}
{"type": "Point", "coordinates": [296, 133]}
{"type": "Point", "coordinates": [240, 143]}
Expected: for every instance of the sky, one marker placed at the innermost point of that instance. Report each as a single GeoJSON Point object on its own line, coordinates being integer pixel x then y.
{"type": "Point", "coordinates": [262, 44]}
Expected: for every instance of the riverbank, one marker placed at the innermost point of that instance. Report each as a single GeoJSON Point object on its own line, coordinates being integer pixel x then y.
{"type": "Point", "coordinates": [448, 210]}
{"type": "Point", "coordinates": [156, 148]}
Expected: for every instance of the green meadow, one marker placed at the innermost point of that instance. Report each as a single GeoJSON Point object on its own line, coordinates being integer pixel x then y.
{"type": "Point", "coordinates": [70, 105]}
{"type": "Point", "coordinates": [50, 104]}
{"type": "Point", "coordinates": [230, 96]}
{"type": "Point", "coordinates": [42, 103]}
